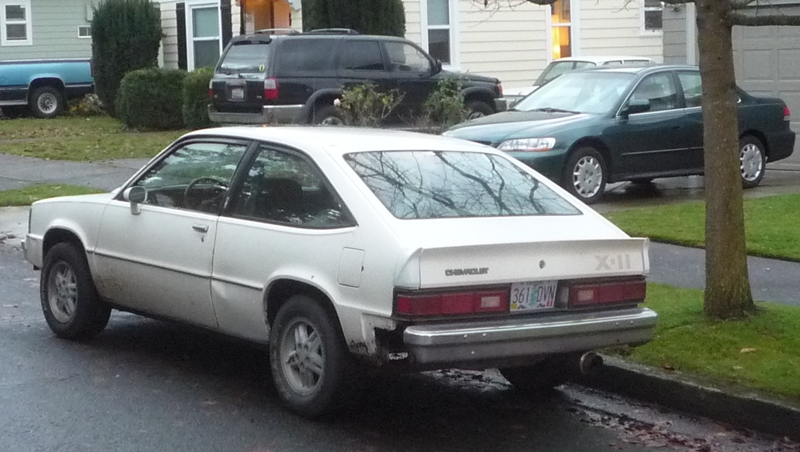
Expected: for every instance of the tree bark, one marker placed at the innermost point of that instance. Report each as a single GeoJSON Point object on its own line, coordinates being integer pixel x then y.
{"type": "Point", "coordinates": [727, 293]}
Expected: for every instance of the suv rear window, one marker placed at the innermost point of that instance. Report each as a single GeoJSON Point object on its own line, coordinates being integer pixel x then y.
{"type": "Point", "coordinates": [451, 184]}
{"type": "Point", "coordinates": [245, 58]}
{"type": "Point", "coordinates": [305, 55]}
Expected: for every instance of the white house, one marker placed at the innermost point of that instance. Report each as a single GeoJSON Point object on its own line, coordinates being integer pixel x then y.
{"type": "Point", "coordinates": [510, 39]}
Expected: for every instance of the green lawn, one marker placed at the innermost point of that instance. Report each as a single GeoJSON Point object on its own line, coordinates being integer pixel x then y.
{"type": "Point", "coordinates": [26, 196]}
{"type": "Point", "coordinates": [772, 224]}
{"type": "Point", "coordinates": [80, 139]}
{"type": "Point", "coordinates": [761, 352]}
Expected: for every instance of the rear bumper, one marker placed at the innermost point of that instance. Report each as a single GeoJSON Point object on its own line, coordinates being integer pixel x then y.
{"type": "Point", "coordinates": [270, 114]}
{"type": "Point", "coordinates": [517, 340]}
{"type": "Point", "coordinates": [781, 145]}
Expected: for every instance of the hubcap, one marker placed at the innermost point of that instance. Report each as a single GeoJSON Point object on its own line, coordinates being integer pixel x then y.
{"type": "Point", "coordinates": [62, 292]}
{"type": "Point", "coordinates": [302, 357]}
{"type": "Point", "coordinates": [475, 115]}
{"type": "Point", "coordinates": [751, 162]}
{"type": "Point", "coordinates": [332, 121]}
{"type": "Point", "coordinates": [587, 176]}
{"type": "Point", "coordinates": [47, 103]}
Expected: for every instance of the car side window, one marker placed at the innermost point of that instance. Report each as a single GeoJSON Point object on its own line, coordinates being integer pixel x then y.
{"type": "Point", "coordinates": [660, 90]}
{"type": "Point", "coordinates": [692, 88]}
{"type": "Point", "coordinates": [361, 56]}
{"type": "Point", "coordinates": [194, 176]}
{"type": "Point", "coordinates": [404, 57]}
{"type": "Point", "coordinates": [283, 187]}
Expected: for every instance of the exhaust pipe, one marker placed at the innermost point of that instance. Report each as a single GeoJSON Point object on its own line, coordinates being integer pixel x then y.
{"type": "Point", "coordinates": [590, 363]}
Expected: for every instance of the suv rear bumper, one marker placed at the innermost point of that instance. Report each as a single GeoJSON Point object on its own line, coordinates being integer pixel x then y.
{"type": "Point", "coordinates": [270, 114]}
{"type": "Point", "coordinates": [520, 339]}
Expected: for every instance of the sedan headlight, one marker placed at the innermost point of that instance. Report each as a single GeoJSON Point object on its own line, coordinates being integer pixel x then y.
{"type": "Point", "coordinates": [528, 145]}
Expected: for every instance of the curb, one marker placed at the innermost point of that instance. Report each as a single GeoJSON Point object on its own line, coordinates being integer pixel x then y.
{"type": "Point", "coordinates": [680, 392]}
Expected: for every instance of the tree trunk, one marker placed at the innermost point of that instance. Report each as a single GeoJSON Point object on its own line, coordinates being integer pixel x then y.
{"type": "Point", "coordinates": [727, 292]}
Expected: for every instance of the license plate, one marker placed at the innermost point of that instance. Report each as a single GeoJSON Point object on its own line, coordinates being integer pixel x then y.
{"type": "Point", "coordinates": [533, 296]}
{"type": "Point", "coordinates": [237, 94]}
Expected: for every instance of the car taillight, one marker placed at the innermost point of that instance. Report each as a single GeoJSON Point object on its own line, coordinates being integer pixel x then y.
{"type": "Point", "coordinates": [453, 303]}
{"type": "Point", "coordinates": [270, 88]}
{"type": "Point", "coordinates": [787, 114]}
{"type": "Point", "coordinates": [210, 90]}
{"type": "Point", "coordinates": [500, 87]}
{"type": "Point", "coordinates": [584, 294]}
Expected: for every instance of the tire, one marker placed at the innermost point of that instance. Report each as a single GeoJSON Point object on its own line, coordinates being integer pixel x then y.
{"type": "Point", "coordinates": [752, 161]}
{"type": "Point", "coordinates": [69, 298]}
{"type": "Point", "coordinates": [328, 115]}
{"type": "Point", "coordinates": [478, 109]}
{"type": "Point", "coordinates": [585, 174]}
{"type": "Point", "coordinates": [540, 377]}
{"type": "Point", "coordinates": [307, 391]}
{"type": "Point", "coordinates": [46, 102]}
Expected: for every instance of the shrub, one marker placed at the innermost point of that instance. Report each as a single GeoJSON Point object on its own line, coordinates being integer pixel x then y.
{"type": "Point", "coordinates": [88, 105]}
{"type": "Point", "coordinates": [377, 17]}
{"type": "Point", "coordinates": [365, 106]}
{"type": "Point", "coordinates": [126, 35]}
{"type": "Point", "coordinates": [444, 107]}
{"type": "Point", "coordinates": [195, 98]}
{"type": "Point", "coordinates": [151, 99]}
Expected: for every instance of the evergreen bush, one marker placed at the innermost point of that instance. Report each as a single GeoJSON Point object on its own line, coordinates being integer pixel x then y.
{"type": "Point", "coordinates": [126, 35]}
{"type": "Point", "coordinates": [195, 98]}
{"type": "Point", "coordinates": [151, 99]}
{"type": "Point", "coordinates": [374, 17]}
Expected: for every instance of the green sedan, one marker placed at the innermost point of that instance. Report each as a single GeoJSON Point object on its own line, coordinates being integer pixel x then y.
{"type": "Point", "coordinates": [588, 128]}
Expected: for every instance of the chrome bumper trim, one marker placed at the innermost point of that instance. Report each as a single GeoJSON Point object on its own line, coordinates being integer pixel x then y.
{"type": "Point", "coordinates": [270, 114]}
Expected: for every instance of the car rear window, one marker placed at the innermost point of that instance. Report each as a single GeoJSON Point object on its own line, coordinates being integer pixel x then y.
{"type": "Point", "coordinates": [447, 184]}
{"type": "Point", "coordinates": [245, 58]}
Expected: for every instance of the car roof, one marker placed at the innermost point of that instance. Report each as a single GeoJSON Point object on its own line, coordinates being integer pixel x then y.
{"type": "Point", "coordinates": [603, 59]}
{"type": "Point", "coordinates": [343, 140]}
{"type": "Point", "coordinates": [637, 70]}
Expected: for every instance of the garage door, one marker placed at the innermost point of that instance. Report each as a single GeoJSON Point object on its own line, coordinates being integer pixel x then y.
{"type": "Point", "coordinates": [767, 61]}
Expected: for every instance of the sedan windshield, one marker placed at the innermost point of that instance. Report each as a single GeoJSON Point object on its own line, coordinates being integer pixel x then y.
{"type": "Point", "coordinates": [437, 184]}
{"type": "Point", "coordinates": [579, 92]}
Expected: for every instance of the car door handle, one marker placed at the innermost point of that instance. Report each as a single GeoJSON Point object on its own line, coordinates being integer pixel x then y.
{"type": "Point", "coordinates": [200, 227]}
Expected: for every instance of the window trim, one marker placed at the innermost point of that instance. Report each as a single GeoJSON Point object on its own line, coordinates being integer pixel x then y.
{"type": "Point", "coordinates": [4, 41]}
{"type": "Point", "coordinates": [644, 30]}
{"type": "Point", "coordinates": [453, 26]}
{"type": "Point", "coordinates": [190, 39]}
{"type": "Point", "coordinates": [83, 27]}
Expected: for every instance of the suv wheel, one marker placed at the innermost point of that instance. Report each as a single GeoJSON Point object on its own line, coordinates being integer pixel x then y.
{"type": "Point", "coordinates": [477, 109]}
{"type": "Point", "coordinates": [328, 115]}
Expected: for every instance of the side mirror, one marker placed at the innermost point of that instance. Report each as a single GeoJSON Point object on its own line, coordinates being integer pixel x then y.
{"type": "Point", "coordinates": [636, 106]}
{"type": "Point", "coordinates": [437, 67]}
{"type": "Point", "coordinates": [135, 195]}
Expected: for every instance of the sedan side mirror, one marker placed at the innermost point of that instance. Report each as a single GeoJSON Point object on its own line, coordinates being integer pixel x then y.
{"type": "Point", "coordinates": [636, 106]}
{"type": "Point", "coordinates": [135, 195]}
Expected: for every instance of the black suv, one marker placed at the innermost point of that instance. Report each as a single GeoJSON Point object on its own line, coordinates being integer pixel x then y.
{"type": "Point", "coordinates": [295, 77]}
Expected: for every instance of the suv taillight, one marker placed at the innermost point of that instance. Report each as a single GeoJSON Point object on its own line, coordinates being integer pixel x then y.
{"type": "Point", "coordinates": [787, 114]}
{"type": "Point", "coordinates": [270, 88]}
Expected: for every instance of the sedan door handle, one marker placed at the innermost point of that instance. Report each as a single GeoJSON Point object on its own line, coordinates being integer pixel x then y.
{"type": "Point", "coordinates": [200, 227]}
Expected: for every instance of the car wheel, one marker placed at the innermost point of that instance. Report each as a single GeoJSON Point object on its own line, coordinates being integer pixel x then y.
{"type": "Point", "coordinates": [540, 377]}
{"type": "Point", "coordinates": [46, 102]}
{"type": "Point", "coordinates": [478, 109]}
{"type": "Point", "coordinates": [328, 115]}
{"type": "Point", "coordinates": [70, 303]}
{"type": "Point", "coordinates": [752, 159]}
{"type": "Point", "coordinates": [308, 358]}
{"type": "Point", "coordinates": [585, 174]}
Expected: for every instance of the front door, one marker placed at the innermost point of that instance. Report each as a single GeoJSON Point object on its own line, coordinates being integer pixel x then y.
{"type": "Point", "coordinates": [159, 261]}
{"type": "Point", "coordinates": [413, 71]}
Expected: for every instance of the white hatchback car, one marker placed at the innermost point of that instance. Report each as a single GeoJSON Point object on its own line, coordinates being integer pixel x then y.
{"type": "Point", "coordinates": [339, 245]}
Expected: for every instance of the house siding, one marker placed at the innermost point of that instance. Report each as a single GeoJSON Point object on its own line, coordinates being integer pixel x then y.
{"type": "Point", "coordinates": [54, 32]}
{"type": "Point", "coordinates": [675, 35]}
{"type": "Point", "coordinates": [615, 27]}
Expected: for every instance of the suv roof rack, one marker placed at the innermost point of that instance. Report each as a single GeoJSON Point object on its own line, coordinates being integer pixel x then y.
{"type": "Point", "coordinates": [334, 31]}
{"type": "Point", "coordinates": [277, 31]}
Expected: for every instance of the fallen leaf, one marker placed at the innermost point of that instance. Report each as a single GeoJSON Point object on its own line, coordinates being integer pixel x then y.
{"type": "Point", "coordinates": [667, 367]}
{"type": "Point", "coordinates": [748, 350]}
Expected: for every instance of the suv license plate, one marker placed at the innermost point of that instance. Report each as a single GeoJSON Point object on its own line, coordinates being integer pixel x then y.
{"type": "Point", "coordinates": [237, 94]}
{"type": "Point", "coordinates": [533, 296]}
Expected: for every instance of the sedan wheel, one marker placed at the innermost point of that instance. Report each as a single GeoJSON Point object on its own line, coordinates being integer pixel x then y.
{"type": "Point", "coordinates": [585, 175]}
{"type": "Point", "coordinates": [302, 357]}
{"type": "Point", "coordinates": [62, 289]}
{"type": "Point", "coordinates": [751, 161]}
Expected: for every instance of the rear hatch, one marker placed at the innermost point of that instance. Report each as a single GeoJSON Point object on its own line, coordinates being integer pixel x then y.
{"type": "Point", "coordinates": [240, 79]}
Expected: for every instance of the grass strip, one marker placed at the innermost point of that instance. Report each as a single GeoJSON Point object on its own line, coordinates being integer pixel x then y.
{"type": "Point", "coordinates": [760, 352]}
{"type": "Point", "coordinates": [26, 196]}
{"type": "Point", "coordinates": [770, 224]}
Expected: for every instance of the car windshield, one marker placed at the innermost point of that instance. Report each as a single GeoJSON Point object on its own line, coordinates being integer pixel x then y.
{"type": "Point", "coordinates": [245, 58]}
{"type": "Point", "coordinates": [579, 92]}
{"type": "Point", "coordinates": [447, 184]}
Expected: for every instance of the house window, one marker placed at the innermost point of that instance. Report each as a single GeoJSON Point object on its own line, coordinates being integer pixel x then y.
{"type": "Point", "coordinates": [653, 15]}
{"type": "Point", "coordinates": [439, 43]}
{"type": "Point", "coordinates": [15, 18]}
{"type": "Point", "coordinates": [561, 20]}
{"type": "Point", "coordinates": [84, 31]}
{"type": "Point", "coordinates": [205, 37]}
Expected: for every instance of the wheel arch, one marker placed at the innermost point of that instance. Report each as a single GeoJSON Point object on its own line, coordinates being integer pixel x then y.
{"type": "Point", "coordinates": [599, 146]}
{"type": "Point", "coordinates": [61, 234]}
{"type": "Point", "coordinates": [321, 97]}
{"type": "Point", "coordinates": [51, 81]}
{"type": "Point", "coordinates": [760, 136]}
{"type": "Point", "coordinates": [485, 96]}
{"type": "Point", "coordinates": [280, 290]}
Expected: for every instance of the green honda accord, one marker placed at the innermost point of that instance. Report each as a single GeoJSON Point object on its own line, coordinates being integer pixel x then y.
{"type": "Point", "coordinates": [588, 128]}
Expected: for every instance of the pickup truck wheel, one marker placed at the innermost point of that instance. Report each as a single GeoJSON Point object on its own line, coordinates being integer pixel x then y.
{"type": "Point", "coordinates": [477, 109]}
{"type": "Point", "coordinates": [751, 161]}
{"type": "Point", "coordinates": [308, 358]}
{"type": "Point", "coordinates": [328, 115]}
{"type": "Point", "coordinates": [70, 302]}
{"type": "Point", "coordinates": [46, 102]}
{"type": "Point", "coordinates": [540, 377]}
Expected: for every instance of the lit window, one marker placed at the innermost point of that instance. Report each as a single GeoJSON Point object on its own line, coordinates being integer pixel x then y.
{"type": "Point", "coordinates": [560, 19]}
{"type": "Point", "coordinates": [15, 18]}
{"type": "Point", "coordinates": [653, 15]}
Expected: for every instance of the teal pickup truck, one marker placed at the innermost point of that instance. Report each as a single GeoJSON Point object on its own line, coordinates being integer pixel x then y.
{"type": "Point", "coordinates": [43, 86]}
